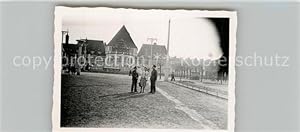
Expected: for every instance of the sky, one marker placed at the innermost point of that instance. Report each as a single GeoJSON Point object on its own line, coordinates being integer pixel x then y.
{"type": "Point", "coordinates": [191, 35]}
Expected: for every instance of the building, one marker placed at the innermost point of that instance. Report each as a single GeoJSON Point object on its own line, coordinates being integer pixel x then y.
{"type": "Point", "coordinates": [94, 53]}
{"type": "Point", "coordinates": [86, 51]}
{"type": "Point", "coordinates": [121, 52]}
{"type": "Point", "coordinates": [69, 52]}
{"type": "Point", "coordinates": [158, 53]}
{"type": "Point", "coordinates": [153, 54]}
{"type": "Point", "coordinates": [119, 55]}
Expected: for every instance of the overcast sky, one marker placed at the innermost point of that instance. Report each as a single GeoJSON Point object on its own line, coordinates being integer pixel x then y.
{"type": "Point", "coordinates": [190, 35]}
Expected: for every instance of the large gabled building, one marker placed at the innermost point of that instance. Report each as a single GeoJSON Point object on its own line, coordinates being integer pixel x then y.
{"type": "Point", "coordinates": [121, 51]}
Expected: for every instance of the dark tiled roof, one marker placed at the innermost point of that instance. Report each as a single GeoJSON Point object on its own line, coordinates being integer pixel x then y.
{"type": "Point", "coordinates": [122, 36]}
{"type": "Point", "coordinates": [95, 47]}
{"type": "Point", "coordinates": [156, 49]}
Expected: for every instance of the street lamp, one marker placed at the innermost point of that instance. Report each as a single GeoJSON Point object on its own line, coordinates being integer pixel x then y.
{"type": "Point", "coordinates": [152, 40]}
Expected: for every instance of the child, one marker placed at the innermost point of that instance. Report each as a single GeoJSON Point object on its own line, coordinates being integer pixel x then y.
{"type": "Point", "coordinates": [143, 80]}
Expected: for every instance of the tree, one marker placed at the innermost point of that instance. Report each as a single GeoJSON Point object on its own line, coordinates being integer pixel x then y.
{"type": "Point", "coordinates": [211, 67]}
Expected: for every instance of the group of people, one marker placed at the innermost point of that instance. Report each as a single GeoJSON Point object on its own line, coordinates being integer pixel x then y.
{"type": "Point", "coordinates": [71, 69]}
{"type": "Point", "coordinates": [140, 76]}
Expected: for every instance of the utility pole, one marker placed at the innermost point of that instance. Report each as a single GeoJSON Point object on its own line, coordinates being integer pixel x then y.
{"type": "Point", "coordinates": [151, 42]}
{"type": "Point", "coordinates": [167, 70]}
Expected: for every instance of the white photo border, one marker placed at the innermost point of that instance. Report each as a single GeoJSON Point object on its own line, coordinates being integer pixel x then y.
{"type": "Point", "coordinates": [60, 11]}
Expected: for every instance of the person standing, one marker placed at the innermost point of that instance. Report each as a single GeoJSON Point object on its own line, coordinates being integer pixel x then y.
{"type": "Point", "coordinates": [153, 79]}
{"type": "Point", "coordinates": [143, 80]}
{"type": "Point", "coordinates": [172, 77]}
{"type": "Point", "coordinates": [135, 77]}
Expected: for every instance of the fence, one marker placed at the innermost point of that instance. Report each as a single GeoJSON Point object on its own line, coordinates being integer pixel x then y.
{"type": "Point", "coordinates": [205, 90]}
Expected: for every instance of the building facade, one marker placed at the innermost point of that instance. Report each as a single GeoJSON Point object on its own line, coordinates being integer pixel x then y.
{"type": "Point", "coordinates": [152, 54]}
{"type": "Point", "coordinates": [121, 52]}
{"type": "Point", "coordinates": [94, 53]}
{"type": "Point", "coordinates": [119, 55]}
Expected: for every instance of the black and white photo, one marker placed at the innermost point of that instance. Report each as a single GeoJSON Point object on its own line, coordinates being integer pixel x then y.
{"type": "Point", "coordinates": [143, 69]}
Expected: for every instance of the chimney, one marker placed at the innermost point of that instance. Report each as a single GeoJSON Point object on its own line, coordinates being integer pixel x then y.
{"type": "Point", "coordinates": [67, 38]}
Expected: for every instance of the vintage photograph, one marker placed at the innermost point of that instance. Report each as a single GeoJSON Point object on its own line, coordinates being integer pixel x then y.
{"type": "Point", "coordinates": [120, 68]}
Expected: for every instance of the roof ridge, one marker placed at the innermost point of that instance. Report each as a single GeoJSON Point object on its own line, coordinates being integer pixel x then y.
{"type": "Point", "coordinates": [125, 35]}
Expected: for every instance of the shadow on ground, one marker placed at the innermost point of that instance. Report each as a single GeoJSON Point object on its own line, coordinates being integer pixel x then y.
{"type": "Point", "coordinates": [126, 95]}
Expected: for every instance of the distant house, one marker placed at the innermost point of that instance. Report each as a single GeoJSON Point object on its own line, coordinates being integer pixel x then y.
{"type": "Point", "coordinates": [158, 53]}
{"type": "Point", "coordinates": [94, 47]}
{"type": "Point", "coordinates": [120, 51]}
{"type": "Point", "coordinates": [91, 49]}
{"type": "Point", "coordinates": [69, 51]}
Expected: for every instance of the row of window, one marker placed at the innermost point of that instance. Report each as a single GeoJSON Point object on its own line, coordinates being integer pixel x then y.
{"type": "Point", "coordinates": [114, 50]}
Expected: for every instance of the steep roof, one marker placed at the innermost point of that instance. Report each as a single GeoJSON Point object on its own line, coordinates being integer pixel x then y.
{"type": "Point", "coordinates": [122, 36]}
{"type": "Point", "coordinates": [156, 49]}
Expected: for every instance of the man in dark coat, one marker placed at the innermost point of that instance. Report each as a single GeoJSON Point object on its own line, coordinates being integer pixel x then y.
{"type": "Point", "coordinates": [153, 79]}
{"type": "Point", "coordinates": [172, 77]}
{"type": "Point", "coordinates": [135, 77]}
